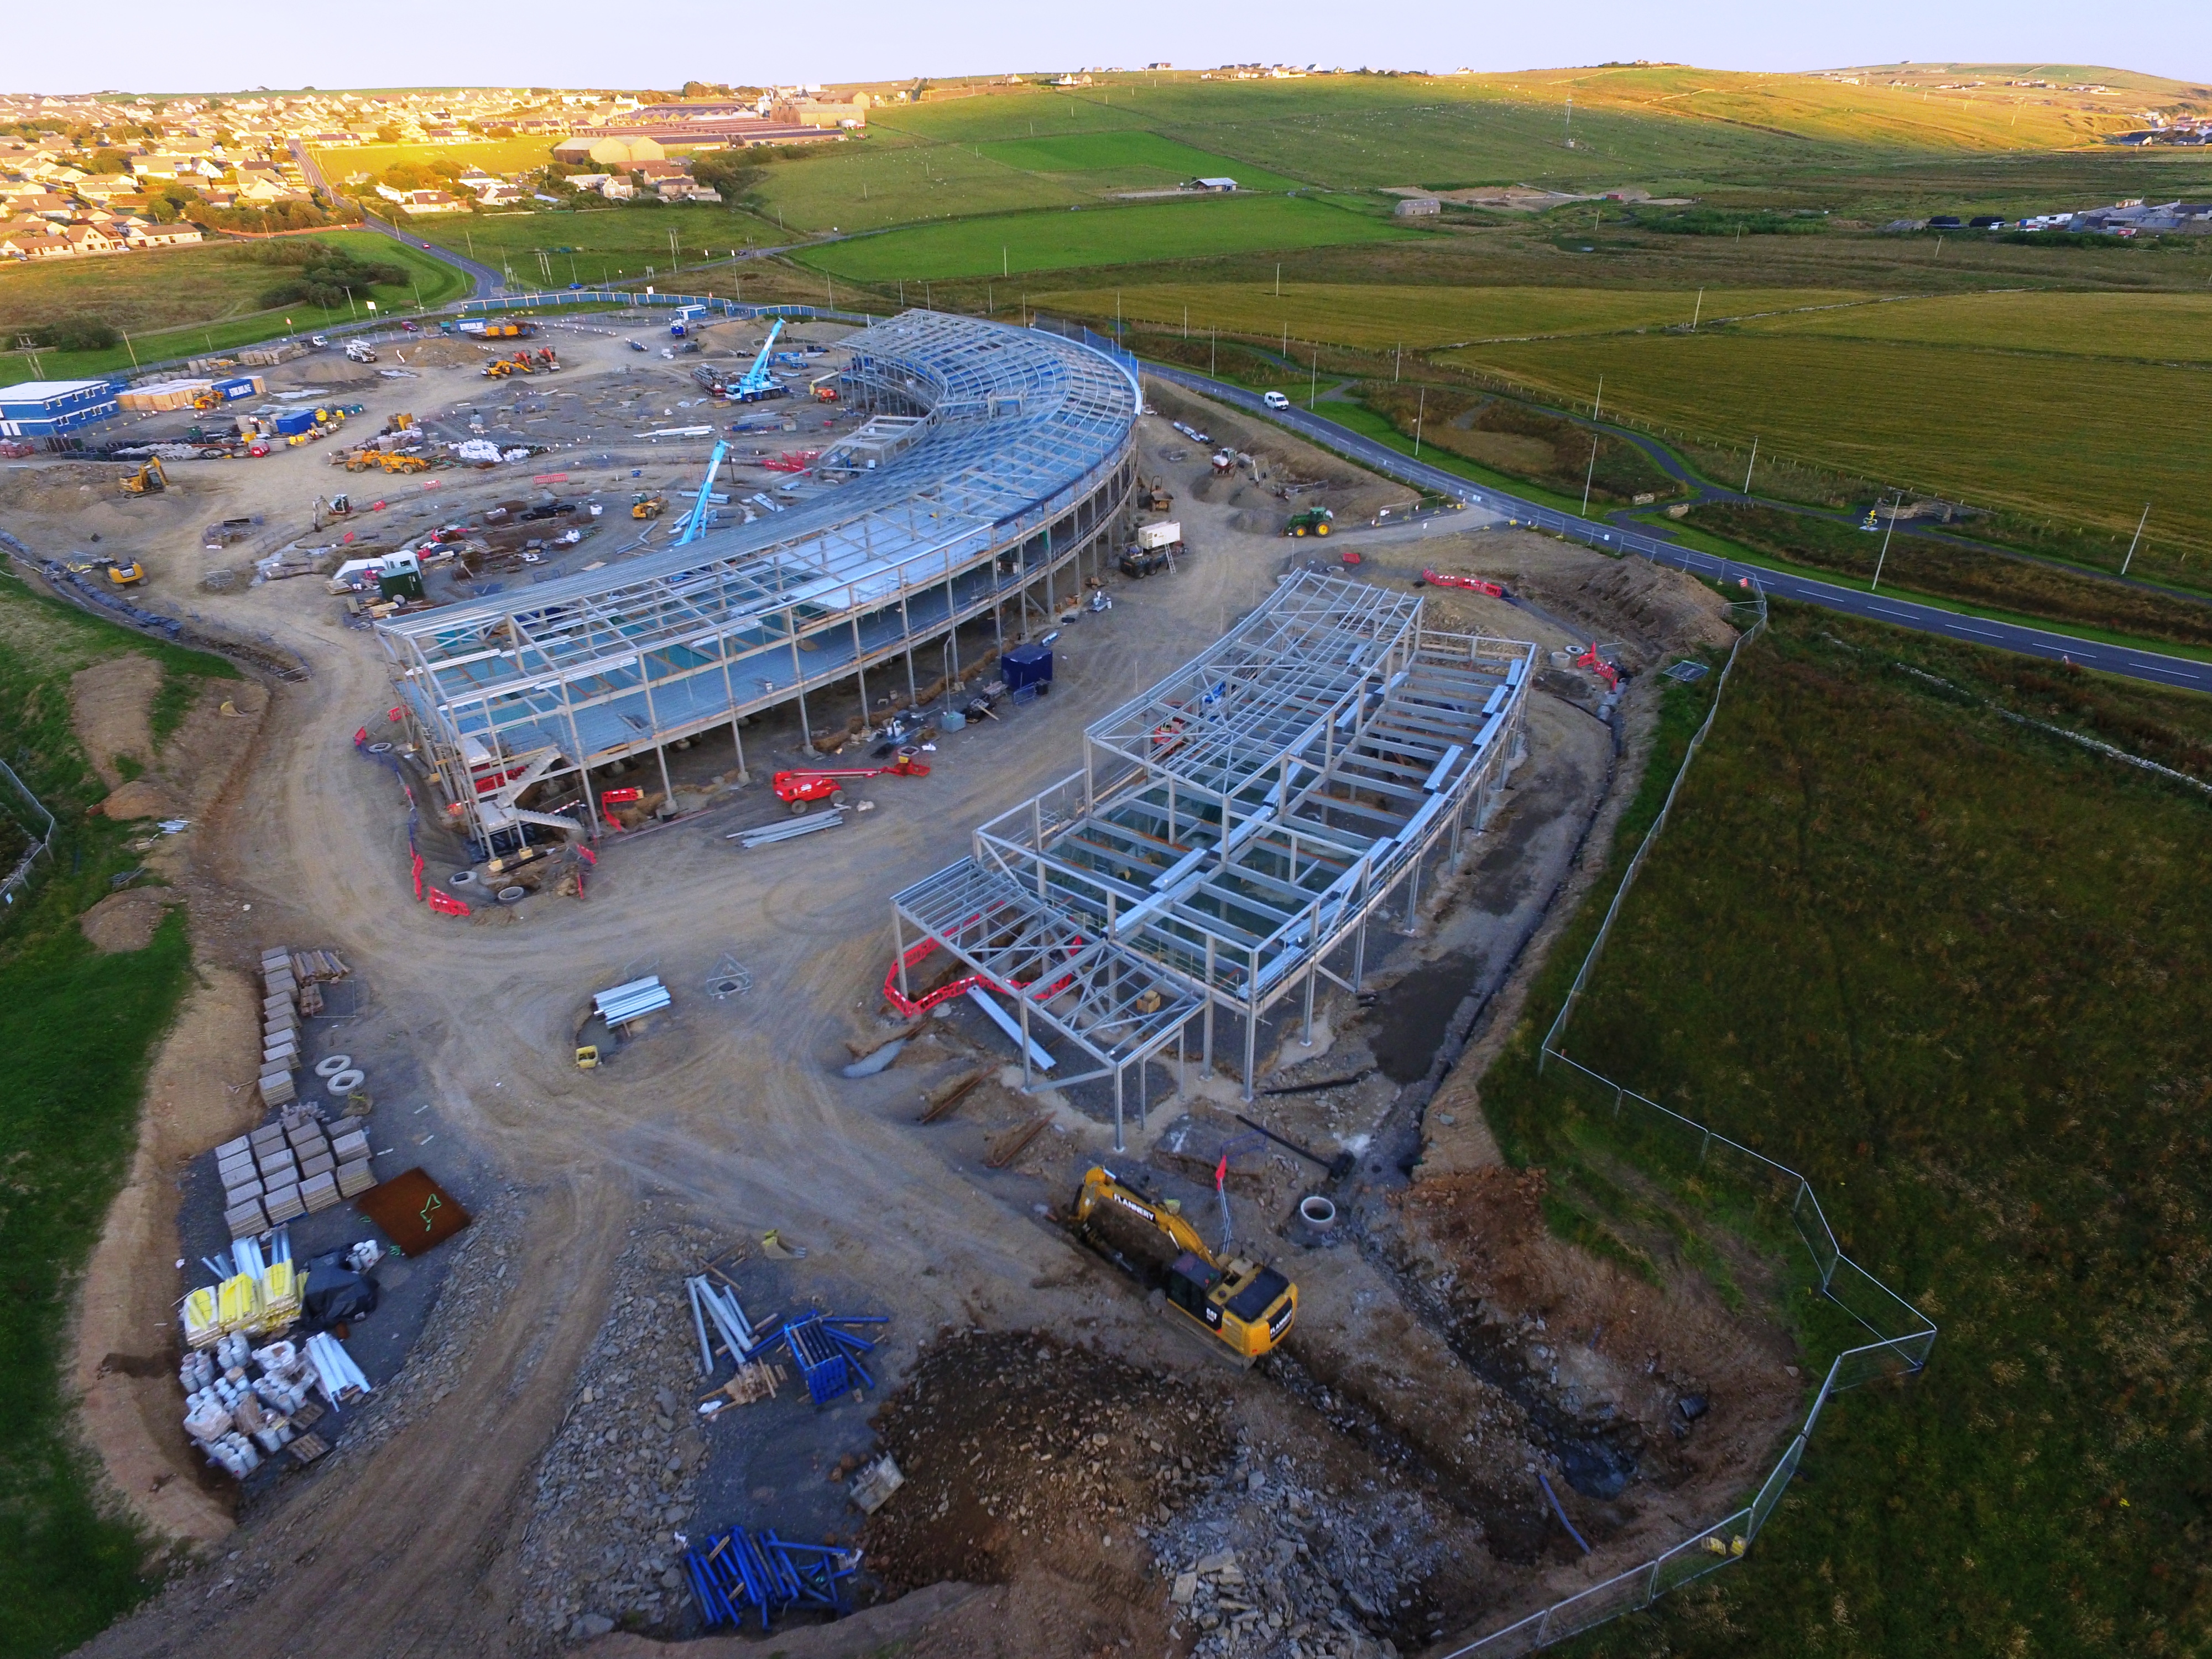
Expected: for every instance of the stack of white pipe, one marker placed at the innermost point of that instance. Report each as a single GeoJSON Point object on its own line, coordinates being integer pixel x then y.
{"type": "Point", "coordinates": [712, 1303]}
{"type": "Point", "coordinates": [339, 1378]}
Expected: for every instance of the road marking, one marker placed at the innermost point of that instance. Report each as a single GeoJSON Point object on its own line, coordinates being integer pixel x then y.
{"type": "Point", "coordinates": [1986, 633]}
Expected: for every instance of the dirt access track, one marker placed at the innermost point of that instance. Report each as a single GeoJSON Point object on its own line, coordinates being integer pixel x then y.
{"type": "Point", "coordinates": [413, 1539]}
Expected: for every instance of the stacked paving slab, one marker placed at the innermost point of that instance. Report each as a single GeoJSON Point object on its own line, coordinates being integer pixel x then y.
{"type": "Point", "coordinates": [292, 1165]}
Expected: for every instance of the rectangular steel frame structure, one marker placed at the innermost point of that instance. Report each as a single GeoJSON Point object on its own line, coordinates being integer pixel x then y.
{"type": "Point", "coordinates": [1026, 463]}
{"type": "Point", "coordinates": [1233, 829]}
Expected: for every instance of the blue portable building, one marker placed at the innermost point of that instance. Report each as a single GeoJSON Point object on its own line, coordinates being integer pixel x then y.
{"type": "Point", "coordinates": [47, 408]}
{"type": "Point", "coordinates": [1026, 665]}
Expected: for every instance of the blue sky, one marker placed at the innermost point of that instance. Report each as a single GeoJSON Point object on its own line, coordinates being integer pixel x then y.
{"type": "Point", "coordinates": [139, 45]}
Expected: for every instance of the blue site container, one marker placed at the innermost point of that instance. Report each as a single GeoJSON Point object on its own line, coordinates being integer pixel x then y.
{"type": "Point", "coordinates": [293, 421]}
{"type": "Point", "coordinates": [1026, 665]}
{"type": "Point", "coordinates": [243, 385]}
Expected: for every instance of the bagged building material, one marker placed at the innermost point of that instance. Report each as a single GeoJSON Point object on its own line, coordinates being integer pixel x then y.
{"type": "Point", "coordinates": [246, 1219]}
{"type": "Point", "coordinates": [349, 1146]}
{"type": "Point", "coordinates": [283, 1203]}
{"type": "Point", "coordinates": [319, 1192]}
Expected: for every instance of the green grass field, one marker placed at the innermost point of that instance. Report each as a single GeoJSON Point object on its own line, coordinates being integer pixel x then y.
{"type": "Point", "coordinates": [196, 299]}
{"type": "Point", "coordinates": [1019, 244]}
{"type": "Point", "coordinates": [1381, 317]}
{"type": "Point", "coordinates": [1104, 161]}
{"type": "Point", "coordinates": [594, 245]}
{"type": "Point", "coordinates": [2159, 328]}
{"type": "Point", "coordinates": [1954, 972]}
{"type": "Point", "coordinates": [77, 1027]}
{"type": "Point", "coordinates": [2077, 444]}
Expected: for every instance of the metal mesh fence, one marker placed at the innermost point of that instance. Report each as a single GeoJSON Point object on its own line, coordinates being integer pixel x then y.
{"type": "Point", "coordinates": [17, 801]}
{"type": "Point", "coordinates": [1723, 1170]}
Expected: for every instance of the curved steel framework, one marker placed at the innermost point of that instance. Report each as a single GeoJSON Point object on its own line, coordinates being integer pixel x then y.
{"type": "Point", "coordinates": [1232, 829]}
{"type": "Point", "coordinates": [1019, 459]}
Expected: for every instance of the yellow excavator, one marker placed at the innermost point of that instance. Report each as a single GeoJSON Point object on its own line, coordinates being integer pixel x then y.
{"type": "Point", "coordinates": [147, 480]}
{"type": "Point", "coordinates": [648, 507]}
{"type": "Point", "coordinates": [1246, 1307]}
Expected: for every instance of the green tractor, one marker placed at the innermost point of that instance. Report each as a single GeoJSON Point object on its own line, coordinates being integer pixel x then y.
{"type": "Point", "coordinates": [1314, 521]}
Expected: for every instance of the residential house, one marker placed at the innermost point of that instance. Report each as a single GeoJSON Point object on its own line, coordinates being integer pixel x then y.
{"type": "Point", "coordinates": [47, 205]}
{"type": "Point", "coordinates": [176, 235]}
{"type": "Point", "coordinates": [91, 239]}
{"type": "Point", "coordinates": [617, 188]}
{"type": "Point", "coordinates": [432, 201]}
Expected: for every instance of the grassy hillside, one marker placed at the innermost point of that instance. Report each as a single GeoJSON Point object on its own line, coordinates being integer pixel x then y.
{"type": "Point", "coordinates": [77, 1027]}
{"type": "Point", "coordinates": [183, 302]}
{"type": "Point", "coordinates": [1020, 243]}
{"type": "Point", "coordinates": [2089, 441]}
{"type": "Point", "coordinates": [1423, 317]}
{"type": "Point", "coordinates": [598, 244]}
{"type": "Point", "coordinates": [1955, 971]}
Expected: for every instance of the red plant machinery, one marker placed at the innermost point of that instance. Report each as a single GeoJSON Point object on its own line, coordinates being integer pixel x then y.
{"type": "Point", "coordinates": [800, 790]}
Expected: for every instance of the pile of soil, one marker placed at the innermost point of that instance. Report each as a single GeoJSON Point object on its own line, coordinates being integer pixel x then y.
{"type": "Point", "coordinates": [109, 705]}
{"type": "Point", "coordinates": [126, 922]}
{"type": "Point", "coordinates": [438, 352]}
{"type": "Point", "coordinates": [1016, 1445]}
{"type": "Point", "coordinates": [59, 486]}
{"type": "Point", "coordinates": [1663, 1378]}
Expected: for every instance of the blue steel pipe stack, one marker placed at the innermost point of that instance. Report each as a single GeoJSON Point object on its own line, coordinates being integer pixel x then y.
{"type": "Point", "coordinates": [738, 1570]}
{"type": "Point", "coordinates": [828, 1358]}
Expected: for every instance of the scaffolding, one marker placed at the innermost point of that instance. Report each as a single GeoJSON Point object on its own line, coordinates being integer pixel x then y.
{"type": "Point", "coordinates": [1231, 835]}
{"type": "Point", "coordinates": [1015, 459]}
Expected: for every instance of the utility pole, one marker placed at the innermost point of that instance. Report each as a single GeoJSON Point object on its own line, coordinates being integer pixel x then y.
{"type": "Point", "coordinates": [1895, 502]}
{"type": "Point", "coordinates": [1313, 392]}
{"type": "Point", "coordinates": [1698, 312]}
{"type": "Point", "coordinates": [1754, 462]}
{"type": "Point", "coordinates": [133, 351]}
{"type": "Point", "coordinates": [1570, 120]}
{"type": "Point", "coordinates": [1600, 404]}
{"type": "Point", "coordinates": [2140, 523]}
{"type": "Point", "coordinates": [1590, 476]}
{"type": "Point", "coordinates": [1278, 279]}
{"type": "Point", "coordinates": [1397, 362]}
{"type": "Point", "coordinates": [1420, 411]}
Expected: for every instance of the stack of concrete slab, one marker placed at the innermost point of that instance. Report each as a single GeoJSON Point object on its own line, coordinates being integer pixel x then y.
{"type": "Point", "coordinates": [289, 1168]}
{"type": "Point", "coordinates": [280, 1029]}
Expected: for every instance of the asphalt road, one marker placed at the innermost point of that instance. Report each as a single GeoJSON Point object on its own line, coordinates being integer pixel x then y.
{"type": "Point", "coordinates": [488, 281]}
{"type": "Point", "coordinates": [2126, 660]}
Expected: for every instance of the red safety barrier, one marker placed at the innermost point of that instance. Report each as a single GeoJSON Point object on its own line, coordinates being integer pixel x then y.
{"type": "Point", "coordinates": [446, 904]}
{"type": "Point", "coordinates": [548, 477]}
{"type": "Point", "coordinates": [396, 714]}
{"type": "Point", "coordinates": [914, 1008]}
{"type": "Point", "coordinates": [418, 875]}
{"type": "Point", "coordinates": [361, 736]}
{"type": "Point", "coordinates": [1473, 584]}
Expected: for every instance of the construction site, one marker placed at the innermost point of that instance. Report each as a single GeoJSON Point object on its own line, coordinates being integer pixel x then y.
{"type": "Point", "coordinates": [871, 982]}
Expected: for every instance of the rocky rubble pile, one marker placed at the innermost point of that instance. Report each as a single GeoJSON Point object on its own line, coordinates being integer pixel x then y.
{"type": "Point", "coordinates": [1019, 1448]}
{"type": "Point", "coordinates": [1274, 1563]}
{"type": "Point", "coordinates": [620, 1479]}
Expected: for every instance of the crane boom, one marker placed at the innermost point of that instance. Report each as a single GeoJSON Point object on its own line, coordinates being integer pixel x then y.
{"type": "Point", "coordinates": [758, 379]}
{"type": "Point", "coordinates": [696, 520]}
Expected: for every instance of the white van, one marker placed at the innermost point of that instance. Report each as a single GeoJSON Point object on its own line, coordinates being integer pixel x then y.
{"type": "Point", "coordinates": [1276, 400]}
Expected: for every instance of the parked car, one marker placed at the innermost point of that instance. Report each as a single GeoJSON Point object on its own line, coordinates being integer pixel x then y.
{"type": "Point", "coordinates": [1276, 400]}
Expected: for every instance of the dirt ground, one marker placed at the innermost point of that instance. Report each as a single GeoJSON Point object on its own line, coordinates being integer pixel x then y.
{"type": "Point", "coordinates": [126, 922]}
{"type": "Point", "coordinates": [734, 1112]}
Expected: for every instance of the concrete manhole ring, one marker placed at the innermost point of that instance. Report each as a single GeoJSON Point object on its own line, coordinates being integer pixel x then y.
{"type": "Point", "coordinates": [512, 895]}
{"type": "Point", "coordinates": [1317, 1212]}
{"type": "Point", "coordinates": [343, 1084]}
{"type": "Point", "coordinates": [331, 1064]}
{"type": "Point", "coordinates": [461, 879]}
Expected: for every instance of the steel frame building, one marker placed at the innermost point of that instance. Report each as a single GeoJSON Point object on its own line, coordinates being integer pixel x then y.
{"type": "Point", "coordinates": [1024, 461]}
{"type": "Point", "coordinates": [1232, 830]}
